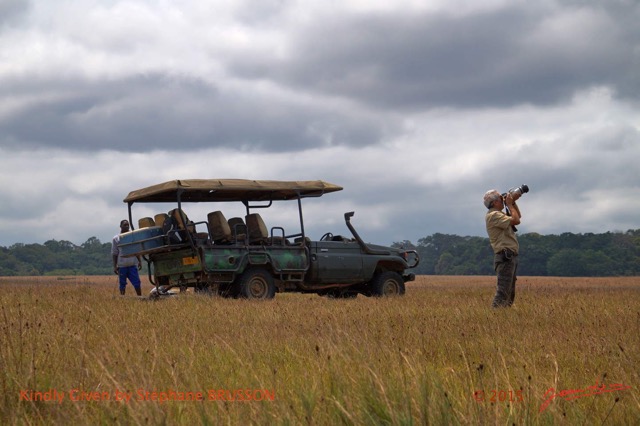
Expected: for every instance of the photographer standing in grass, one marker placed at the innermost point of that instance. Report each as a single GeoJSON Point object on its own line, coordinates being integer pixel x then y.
{"type": "Point", "coordinates": [502, 236]}
{"type": "Point", "coordinates": [125, 267]}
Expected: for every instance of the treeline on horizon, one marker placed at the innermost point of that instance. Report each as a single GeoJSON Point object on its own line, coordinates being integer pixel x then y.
{"type": "Point", "coordinates": [567, 255]}
{"type": "Point", "coordinates": [564, 255]}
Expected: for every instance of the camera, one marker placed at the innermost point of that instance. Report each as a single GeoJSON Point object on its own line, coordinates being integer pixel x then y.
{"type": "Point", "coordinates": [522, 189]}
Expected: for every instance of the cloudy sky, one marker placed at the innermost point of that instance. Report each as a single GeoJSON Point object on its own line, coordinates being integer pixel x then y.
{"type": "Point", "coordinates": [415, 107]}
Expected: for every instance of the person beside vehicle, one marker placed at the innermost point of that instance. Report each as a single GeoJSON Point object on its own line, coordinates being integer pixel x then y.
{"type": "Point", "coordinates": [502, 237]}
{"type": "Point", "coordinates": [125, 267]}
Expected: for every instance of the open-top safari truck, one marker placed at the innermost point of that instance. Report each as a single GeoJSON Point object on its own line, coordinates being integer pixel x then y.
{"type": "Point", "coordinates": [243, 257]}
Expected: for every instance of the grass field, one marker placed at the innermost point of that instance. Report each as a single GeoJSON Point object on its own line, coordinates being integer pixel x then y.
{"type": "Point", "coordinates": [568, 352]}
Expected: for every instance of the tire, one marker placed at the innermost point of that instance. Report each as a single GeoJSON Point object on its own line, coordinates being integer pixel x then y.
{"type": "Point", "coordinates": [256, 283]}
{"type": "Point", "coordinates": [387, 284]}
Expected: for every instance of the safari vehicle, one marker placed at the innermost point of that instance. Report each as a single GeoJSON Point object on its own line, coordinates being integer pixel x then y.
{"type": "Point", "coordinates": [243, 257]}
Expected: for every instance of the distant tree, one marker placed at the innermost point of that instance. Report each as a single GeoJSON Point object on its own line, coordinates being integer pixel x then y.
{"type": "Point", "coordinates": [56, 258]}
{"type": "Point", "coordinates": [536, 251]}
{"type": "Point", "coordinates": [445, 264]}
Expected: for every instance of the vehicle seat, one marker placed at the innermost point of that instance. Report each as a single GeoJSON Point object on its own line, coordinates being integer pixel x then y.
{"type": "Point", "coordinates": [258, 233]}
{"type": "Point", "coordinates": [177, 220]}
{"type": "Point", "coordinates": [180, 218]}
{"type": "Point", "coordinates": [219, 228]}
{"type": "Point", "coordinates": [187, 227]}
{"type": "Point", "coordinates": [160, 219]}
{"type": "Point", "coordinates": [146, 222]}
{"type": "Point", "coordinates": [238, 228]}
{"type": "Point", "coordinates": [239, 223]}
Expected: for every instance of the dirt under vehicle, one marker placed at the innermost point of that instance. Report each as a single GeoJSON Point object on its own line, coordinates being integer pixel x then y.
{"type": "Point", "coordinates": [243, 257]}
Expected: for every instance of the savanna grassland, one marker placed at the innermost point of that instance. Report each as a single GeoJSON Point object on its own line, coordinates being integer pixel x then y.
{"type": "Point", "coordinates": [439, 355]}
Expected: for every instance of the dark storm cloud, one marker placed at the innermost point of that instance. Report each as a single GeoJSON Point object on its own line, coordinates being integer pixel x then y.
{"type": "Point", "coordinates": [498, 58]}
{"type": "Point", "coordinates": [170, 113]}
{"type": "Point", "coordinates": [367, 61]}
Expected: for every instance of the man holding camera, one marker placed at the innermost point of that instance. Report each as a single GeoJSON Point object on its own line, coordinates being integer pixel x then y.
{"type": "Point", "coordinates": [501, 227]}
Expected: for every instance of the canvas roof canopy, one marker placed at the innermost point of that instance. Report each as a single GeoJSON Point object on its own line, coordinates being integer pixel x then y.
{"type": "Point", "coordinates": [202, 190]}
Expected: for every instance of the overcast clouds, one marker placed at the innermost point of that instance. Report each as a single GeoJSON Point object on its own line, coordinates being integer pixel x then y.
{"type": "Point", "coordinates": [415, 107]}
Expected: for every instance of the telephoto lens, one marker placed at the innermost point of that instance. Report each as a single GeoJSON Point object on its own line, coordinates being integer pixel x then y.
{"type": "Point", "coordinates": [522, 189]}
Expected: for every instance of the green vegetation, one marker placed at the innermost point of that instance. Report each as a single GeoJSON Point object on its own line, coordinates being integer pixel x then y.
{"type": "Point", "coordinates": [57, 258]}
{"type": "Point", "coordinates": [565, 255]}
{"type": "Point", "coordinates": [569, 255]}
{"type": "Point", "coordinates": [439, 355]}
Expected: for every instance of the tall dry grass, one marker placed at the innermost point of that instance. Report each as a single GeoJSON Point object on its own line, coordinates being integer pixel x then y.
{"type": "Point", "coordinates": [418, 359]}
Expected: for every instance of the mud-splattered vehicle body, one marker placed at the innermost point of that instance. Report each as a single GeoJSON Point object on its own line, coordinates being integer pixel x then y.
{"type": "Point", "coordinates": [242, 257]}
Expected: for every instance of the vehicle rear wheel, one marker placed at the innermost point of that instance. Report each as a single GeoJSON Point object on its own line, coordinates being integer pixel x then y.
{"type": "Point", "coordinates": [387, 283]}
{"type": "Point", "coordinates": [256, 283]}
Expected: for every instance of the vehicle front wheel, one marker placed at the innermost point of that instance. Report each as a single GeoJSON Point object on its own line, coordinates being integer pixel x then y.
{"type": "Point", "coordinates": [256, 283]}
{"type": "Point", "coordinates": [387, 283]}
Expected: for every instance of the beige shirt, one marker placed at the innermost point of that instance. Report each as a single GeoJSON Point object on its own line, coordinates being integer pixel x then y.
{"type": "Point", "coordinates": [501, 234]}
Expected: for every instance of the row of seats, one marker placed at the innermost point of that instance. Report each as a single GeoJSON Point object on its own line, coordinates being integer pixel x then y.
{"type": "Point", "coordinates": [220, 230]}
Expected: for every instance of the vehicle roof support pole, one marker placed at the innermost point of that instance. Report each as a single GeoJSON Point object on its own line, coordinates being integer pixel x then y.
{"type": "Point", "coordinates": [300, 214]}
{"type": "Point", "coordinates": [181, 213]}
{"type": "Point", "coordinates": [130, 217]}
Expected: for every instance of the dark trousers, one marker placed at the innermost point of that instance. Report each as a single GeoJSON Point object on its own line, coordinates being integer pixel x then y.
{"type": "Point", "coordinates": [506, 269]}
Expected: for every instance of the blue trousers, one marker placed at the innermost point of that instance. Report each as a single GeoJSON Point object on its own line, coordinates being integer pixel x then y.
{"type": "Point", "coordinates": [131, 273]}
